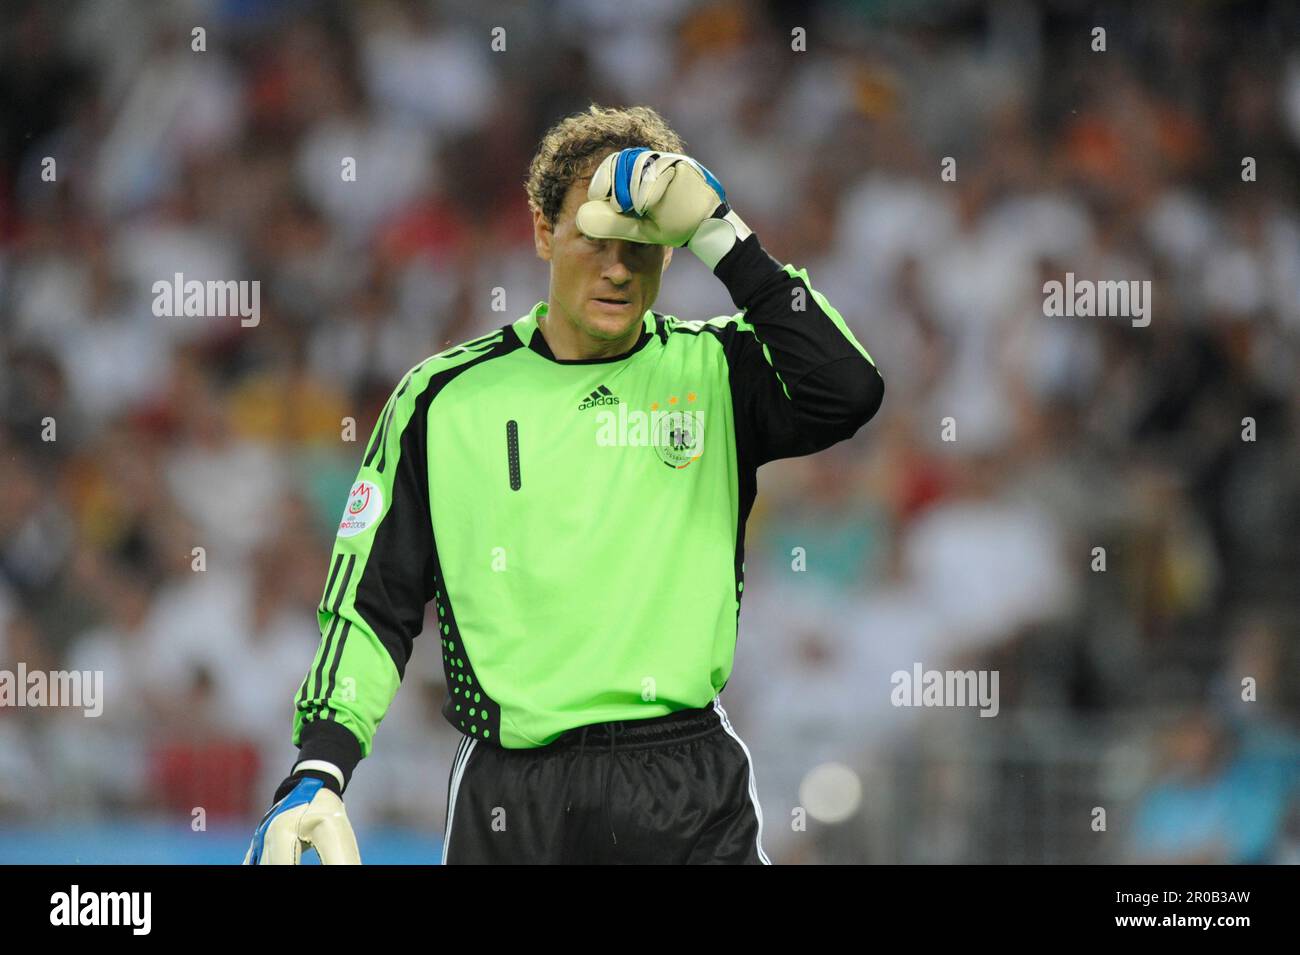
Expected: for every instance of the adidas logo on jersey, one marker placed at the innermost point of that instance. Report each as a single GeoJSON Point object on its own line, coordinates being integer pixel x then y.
{"type": "Point", "coordinates": [601, 396]}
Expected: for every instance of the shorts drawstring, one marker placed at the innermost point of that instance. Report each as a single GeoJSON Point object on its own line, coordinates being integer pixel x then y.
{"type": "Point", "coordinates": [604, 794]}
{"type": "Point", "coordinates": [582, 744]}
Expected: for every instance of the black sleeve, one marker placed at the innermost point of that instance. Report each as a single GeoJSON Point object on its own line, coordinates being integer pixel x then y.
{"type": "Point", "coordinates": [800, 381]}
{"type": "Point", "coordinates": [380, 580]}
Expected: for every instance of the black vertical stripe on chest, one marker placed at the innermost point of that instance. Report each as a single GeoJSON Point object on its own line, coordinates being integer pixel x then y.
{"type": "Point", "coordinates": [512, 453]}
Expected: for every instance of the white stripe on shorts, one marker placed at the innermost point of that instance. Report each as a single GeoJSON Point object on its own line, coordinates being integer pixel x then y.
{"type": "Point", "coordinates": [463, 752]}
{"type": "Point", "coordinates": [753, 787]}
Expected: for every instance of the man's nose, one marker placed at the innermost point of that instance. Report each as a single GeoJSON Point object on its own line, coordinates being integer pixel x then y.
{"type": "Point", "coordinates": [618, 254]}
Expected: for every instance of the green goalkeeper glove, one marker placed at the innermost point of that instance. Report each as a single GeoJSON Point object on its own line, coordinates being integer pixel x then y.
{"type": "Point", "coordinates": [641, 195]}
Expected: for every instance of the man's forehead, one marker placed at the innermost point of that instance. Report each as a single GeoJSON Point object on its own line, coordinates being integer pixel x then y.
{"type": "Point", "coordinates": [574, 197]}
{"type": "Point", "coordinates": [577, 193]}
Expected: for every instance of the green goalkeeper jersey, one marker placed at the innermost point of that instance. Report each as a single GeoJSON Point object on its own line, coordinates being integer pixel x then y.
{"type": "Point", "coordinates": [578, 525]}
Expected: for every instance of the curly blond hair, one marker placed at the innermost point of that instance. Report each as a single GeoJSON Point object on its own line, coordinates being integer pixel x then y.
{"type": "Point", "coordinates": [573, 148]}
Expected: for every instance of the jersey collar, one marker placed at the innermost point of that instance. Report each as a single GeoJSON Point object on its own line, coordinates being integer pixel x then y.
{"type": "Point", "coordinates": [531, 337]}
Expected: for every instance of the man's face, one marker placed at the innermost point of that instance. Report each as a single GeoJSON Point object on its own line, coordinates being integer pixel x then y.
{"type": "Point", "coordinates": [590, 277]}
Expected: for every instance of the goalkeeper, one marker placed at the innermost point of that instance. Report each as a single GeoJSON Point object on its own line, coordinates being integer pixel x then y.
{"type": "Point", "coordinates": [571, 492]}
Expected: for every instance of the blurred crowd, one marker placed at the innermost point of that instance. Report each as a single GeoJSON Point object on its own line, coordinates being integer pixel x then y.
{"type": "Point", "coordinates": [1105, 514]}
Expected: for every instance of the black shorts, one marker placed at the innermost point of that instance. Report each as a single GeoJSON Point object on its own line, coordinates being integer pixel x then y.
{"type": "Point", "coordinates": [676, 789]}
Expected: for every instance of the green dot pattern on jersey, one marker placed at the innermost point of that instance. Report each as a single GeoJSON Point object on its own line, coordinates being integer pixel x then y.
{"type": "Point", "coordinates": [455, 665]}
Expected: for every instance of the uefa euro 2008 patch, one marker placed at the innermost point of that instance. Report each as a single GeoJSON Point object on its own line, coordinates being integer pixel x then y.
{"type": "Point", "coordinates": [365, 504]}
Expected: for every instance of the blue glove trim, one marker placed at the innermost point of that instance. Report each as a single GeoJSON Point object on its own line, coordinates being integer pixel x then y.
{"type": "Point", "coordinates": [300, 795]}
{"type": "Point", "coordinates": [712, 180]}
{"type": "Point", "coordinates": [623, 176]}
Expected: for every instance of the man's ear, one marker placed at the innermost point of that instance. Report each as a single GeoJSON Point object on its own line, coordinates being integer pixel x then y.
{"type": "Point", "coordinates": [542, 236]}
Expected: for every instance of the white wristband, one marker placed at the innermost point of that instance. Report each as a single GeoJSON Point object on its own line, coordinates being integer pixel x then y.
{"type": "Point", "coordinates": [715, 238]}
{"type": "Point", "coordinates": [320, 766]}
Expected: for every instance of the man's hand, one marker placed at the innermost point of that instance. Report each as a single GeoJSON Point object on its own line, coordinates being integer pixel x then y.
{"type": "Point", "coordinates": [311, 814]}
{"type": "Point", "coordinates": [641, 195]}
